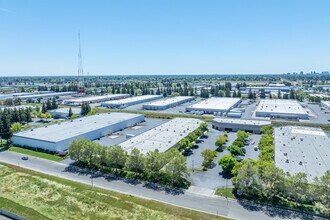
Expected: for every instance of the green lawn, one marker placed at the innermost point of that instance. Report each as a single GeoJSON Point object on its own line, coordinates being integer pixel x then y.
{"type": "Point", "coordinates": [39, 196]}
{"type": "Point", "coordinates": [225, 191]}
{"type": "Point", "coordinates": [35, 153]}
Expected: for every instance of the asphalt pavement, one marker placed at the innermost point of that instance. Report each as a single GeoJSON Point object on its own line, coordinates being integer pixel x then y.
{"type": "Point", "coordinates": [184, 198]}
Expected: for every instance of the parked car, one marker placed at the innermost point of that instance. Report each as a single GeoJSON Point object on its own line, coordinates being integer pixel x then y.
{"type": "Point", "coordinates": [25, 158]}
{"type": "Point", "coordinates": [244, 150]}
{"type": "Point", "coordinates": [255, 148]}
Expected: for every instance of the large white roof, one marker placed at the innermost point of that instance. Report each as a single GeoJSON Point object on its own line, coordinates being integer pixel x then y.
{"type": "Point", "coordinates": [169, 101]}
{"type": "Point", "coordinates": [281, 106]}
{"type": "Point", "coordinates": [162, 137]}
{"type": "Point", "coordinates": [216, 103]}
{"type": "Point", "coordinates": [69, 129]}
{"type": "Point", "coordinates": [132, 99]}
{"type": "Point", "coordinates": [310, 146]}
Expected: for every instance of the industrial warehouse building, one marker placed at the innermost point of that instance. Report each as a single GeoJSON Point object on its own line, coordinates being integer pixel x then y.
{"type": "Point", "coordinates": [302, 149]}
{"type": "Point", "coordinates": [57, 137]}
{"type": "Point", "coordinates": [130, 101]}
{"type": "Point", "coordinates": [45, 95]}
{"type": "Point", "coordinates": [235, 124]}
{"type": "Point", "coordinates": [64, 112]}
{"type": "Point", "coordinates": [281, 108]}
{"type": "Point", "coordinates": [214, 105]}
{"type": "Point", "coordinates": [162, 137]}
{"type": "Point", "coordinates": [168, 103]}
{"type": "Point", "coordinates": [94, 99]}
{"type": "Point", "coordinates": [326, 105]}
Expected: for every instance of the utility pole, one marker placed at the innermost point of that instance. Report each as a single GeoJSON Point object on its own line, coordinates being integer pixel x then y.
{"type": "Point", "coordinates": [69, 210]}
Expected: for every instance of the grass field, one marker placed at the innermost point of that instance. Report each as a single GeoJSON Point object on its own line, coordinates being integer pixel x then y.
{"type": "Point", "coordinates": [35, 153]}
{"type": "Point", "coordinates": [39, 196]}
{"type": "Point", "coordinates": [225, 191]}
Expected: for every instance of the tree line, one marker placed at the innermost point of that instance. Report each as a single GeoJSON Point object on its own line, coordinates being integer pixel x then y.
{"type": "Point", "coordinates": [11, 116]}
{"type": "Point", "coordinates": [166, 168]}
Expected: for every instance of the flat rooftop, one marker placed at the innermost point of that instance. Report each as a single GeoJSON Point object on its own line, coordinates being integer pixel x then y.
{"type": "Point", "coordinates": [46, 95]}
{"type": "Point", "coordinates": [69, 129]}
{"type": "Point", "coordinates": [169, 101]}
{"type": "Point", "coordinates": [96, 98]}
{"type": "Point", "coordinates": [242, 121]}
{"type": "Point", "coordinates": [162, 137]}
{"type": "Point", "coordinates": [132, 99]}
{"type": "Point", "coordinates": [306, 145]}
{"type": "Point", "coordinates": [280, 106]}
{"type": "Point", "coordinates": [216, 103]}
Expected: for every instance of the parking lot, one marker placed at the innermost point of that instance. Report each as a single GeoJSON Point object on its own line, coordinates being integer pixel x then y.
{"type": "Point", "coordinates": [212, 178]}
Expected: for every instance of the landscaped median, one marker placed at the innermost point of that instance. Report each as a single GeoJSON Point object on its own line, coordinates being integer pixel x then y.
{"type": "Point", "coordinates": [35, 153]}
{"type": "Point", "coordinates": [39, 196]}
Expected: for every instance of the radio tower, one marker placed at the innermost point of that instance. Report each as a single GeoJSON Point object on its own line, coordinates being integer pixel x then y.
{"type": "Point", "coordinates": [81, 85]}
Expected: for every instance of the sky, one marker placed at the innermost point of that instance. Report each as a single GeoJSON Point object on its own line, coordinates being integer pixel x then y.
{"type": "Point", "coordinates": [39, 37]}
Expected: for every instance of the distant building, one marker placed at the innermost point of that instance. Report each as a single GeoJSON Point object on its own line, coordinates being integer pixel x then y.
{"type": "Point", "coordinates": [214, 105]}
{"type": "Point", "coordinates": [280, 108]}
{"type": "Point", "coordinates": [94, 99]}
{"type": "Point", "coordinates": [168, 103]}
{"type": "Point", "coordinates": [234, 124]}
{"type": "Point", "coordinates": [123, 103]}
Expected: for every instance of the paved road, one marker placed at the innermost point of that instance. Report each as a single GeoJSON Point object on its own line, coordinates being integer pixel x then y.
{"type": "Point", "coordinates": [193, 199]}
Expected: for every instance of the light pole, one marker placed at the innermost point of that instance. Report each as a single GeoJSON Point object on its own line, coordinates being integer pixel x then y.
{"type": "Point", "coordinates": [192, 162]}
{"type": "Point", "coordinates": [69, 210]}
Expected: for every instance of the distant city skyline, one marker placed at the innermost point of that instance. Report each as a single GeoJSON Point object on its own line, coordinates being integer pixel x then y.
{"type": "Point", "coordinates": [164, 37]}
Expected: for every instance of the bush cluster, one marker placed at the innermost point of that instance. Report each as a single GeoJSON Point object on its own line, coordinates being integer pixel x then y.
{"type": "Point", "coordinates": [168, 168]}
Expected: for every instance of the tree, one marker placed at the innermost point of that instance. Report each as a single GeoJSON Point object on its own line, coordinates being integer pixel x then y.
{"type": "Point", "coordinates": [43, 108]}
{"type": "Point", "coordinates": [37, 108]}
{"type": "Point", "coordinates": [192, 137]}
{"type": "Point", "coordinates": [296, 186]}
{"type": "Point", "coordinates": [116, 157]}
{"type": "Point", "coordinates": [85, 108]}
{"type": "Point", "coordinates": [48, 105]}
{"type": "Point", "coordinates": [235, 151]}
{"type": "Point", "coordinates": [250, 96]}
{"type": "Point", "coordinates": [262, 94]}
{"type": "Point", "coordinates": [272, 179]}
{"type": "Point", "coordinates": [74, 116]}
{"type": "Point", "coordinates": [70, 112]}
{"type": "Point", "coordinates": [76, 149]}
{"type": "Point", "coordinates": [54, 103]}
{"type": "Point", "coordinates": [203, 126]}
{"type": "Point", "coordinates": [247, 180]}
{"type": "Point", "coordinates": [279, 96]}
{"type": "Point", "coordinates": [185, 144]}
{"type": "Point", "coordinates": [209, 156]}
{"type": "Point", "coordinates": [48, 115]}
{"type": "Point", "coordinates": [177, 167]}
{"type": "Point", "coordinates": [242, 134]}
{"type": "Point", "coordinates": [220, 142]}
{"type": "Point", "coordinates": [9, 102]}
{"type": "Point", "coordinates": [16, 127]}
{"type": "Point", "coordinates": [135, 161]}
{"type": "Point", "coordinates": [155, 161]}
{"type": "Point", "coordinates": [227, 162]}
{"type": "Point", "coordinates": [292, 95]}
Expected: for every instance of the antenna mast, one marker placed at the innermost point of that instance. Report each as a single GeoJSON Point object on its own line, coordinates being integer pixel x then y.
{"type": "Point", "coordinates": [80, 69]}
